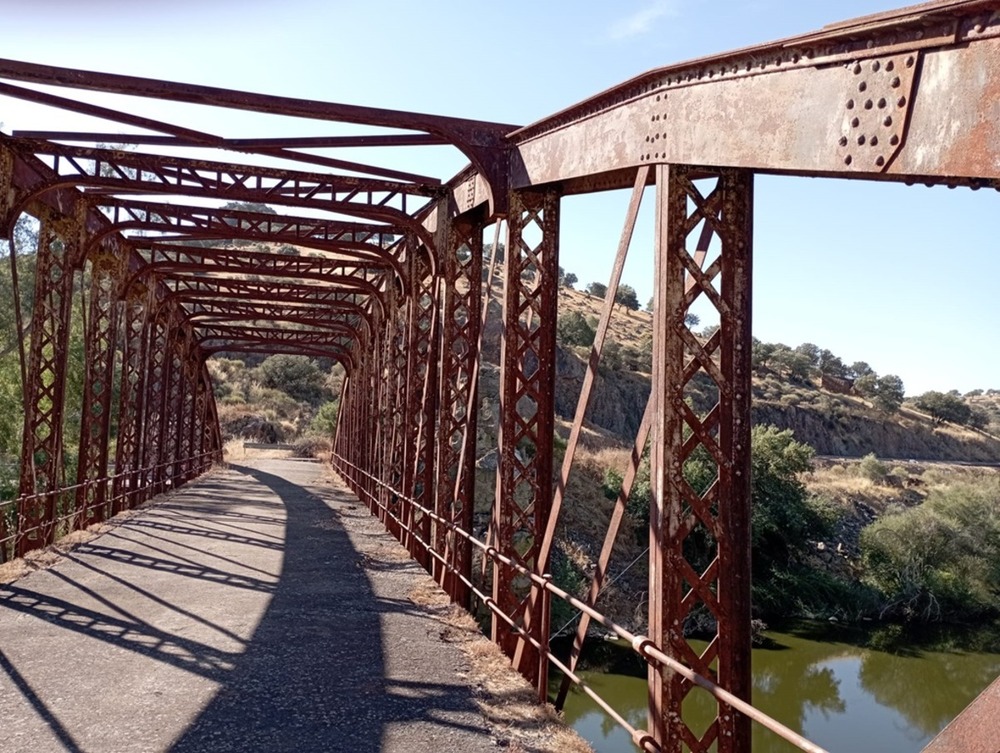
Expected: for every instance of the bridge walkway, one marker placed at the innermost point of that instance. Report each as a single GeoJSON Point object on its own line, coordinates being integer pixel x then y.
{"type": "Point", "coordinates": [260, 608]}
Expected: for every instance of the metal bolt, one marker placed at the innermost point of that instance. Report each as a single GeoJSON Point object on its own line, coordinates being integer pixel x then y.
{"type": "Point", "coordinates": [894, 139]}
{"type": "Point", "coordinates": [857, 69]}
{"type": "Point", "coordinates": [862, 86]}
{"type": "Point", "coordinates": [880, 161]}
{"type": "Point", "coordinates": [910, 61]}
{"type": "Point", "coordinates": [876, 65]}
{"type": "Point", "coordinates": [869, 104]}
{"type": "Point", "coordinates": [861, 140]}
{"type": "Point", "coordinates": [895, 82]}
{"type": "Point", "coordinates": [850, 104]}
{"type": "Point", "coordinates": [882, 103]}
{"type": "Point", "coordinates": [855, 122]}
{"type": "Point", "coordinates": [843, 140]}
{"type": "Point", "coordinates": [901, 101]}
{"type": "Point", "coordinates": [890, 65]}
{"type": "Point", "coordinates": [847, 160]}
{"type": "Point", "coordinates": [874, 141]}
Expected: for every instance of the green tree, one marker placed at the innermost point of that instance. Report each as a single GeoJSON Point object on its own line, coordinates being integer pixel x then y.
{"type": "Point", "coordinates": [811, 352]}
{"type": "Point", "coordinates": [627, 297]}
{"type": "Point", "coordinates": [866, 385]}
{"type": "Point", "coordinates": [297, 376]}
{"type": "Point", "coordinates": [830, 365]}
{"type": "Point", "coordinates": [325, 420]}
{"type": "Point", "coordinates": [782, 518]}
{"type": "Point", "coordinates": [572, 329]}
{"type": "Point", "coordinates": [860, 369]}
{"type": "Point", "coordinates": [944, 406]}
{"type": "Point", "coordinates": [597, 289]}
{"type": "Point", "coordinates": [570, 279]}
{"type": "Point", "coordinates": [889, 393]}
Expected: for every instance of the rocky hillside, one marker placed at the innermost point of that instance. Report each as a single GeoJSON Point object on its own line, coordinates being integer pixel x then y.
{"type": "Point", "coordinates": [834, 424]}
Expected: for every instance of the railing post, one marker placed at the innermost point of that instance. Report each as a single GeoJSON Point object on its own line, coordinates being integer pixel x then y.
{"type": "Point", "coordinates": [710, 570]}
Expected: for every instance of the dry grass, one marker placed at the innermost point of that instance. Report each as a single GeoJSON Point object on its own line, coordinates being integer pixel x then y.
{"type": "Point", "coordinates": [626, 327]}
{"type": "Point", "coordinates": [843, 481]}
{"type": "Point", "coordinates": [506, 700]}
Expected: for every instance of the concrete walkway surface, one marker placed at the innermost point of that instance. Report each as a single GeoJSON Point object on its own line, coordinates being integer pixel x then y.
{"type": "Point", "coordinates": [240, 613]}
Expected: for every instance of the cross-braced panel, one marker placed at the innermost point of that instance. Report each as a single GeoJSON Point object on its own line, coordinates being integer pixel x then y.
{"type": "Point", "coordinates": [95, 422]}
{"type": "Point", "coordinates": [128, 451]}
{"type": "Point", "coordinates": [421, 398]}
{"type": "Point", "coordinates": [155, 384]}
{"type": "Point", "coordinates": [462, 302]}
{"type": "Point", "coordinates": [524, 474]}
{"type": "Point", "coordinates": [699, 570]}
{"type": "Point", "coordinates": [42, 453]}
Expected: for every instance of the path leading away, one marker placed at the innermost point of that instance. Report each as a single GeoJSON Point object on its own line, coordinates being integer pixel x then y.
{"type": "Point", "coordinates": [244, 612]}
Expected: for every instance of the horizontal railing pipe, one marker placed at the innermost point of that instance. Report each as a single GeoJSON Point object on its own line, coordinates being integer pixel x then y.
{"type": "Point", "coordinates": [641, 644]}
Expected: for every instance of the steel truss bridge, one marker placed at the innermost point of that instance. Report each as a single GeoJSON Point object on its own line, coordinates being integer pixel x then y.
{"type": "Point", "coordinates": [392, 285]}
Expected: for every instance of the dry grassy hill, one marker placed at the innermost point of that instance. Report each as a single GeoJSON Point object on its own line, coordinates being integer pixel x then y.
{"type": "Point", "coordinates": [834, 424]}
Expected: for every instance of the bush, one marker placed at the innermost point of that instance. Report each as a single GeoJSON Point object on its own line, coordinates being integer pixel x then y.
{"type": "Point", "coordinates": [310, 447]}
{"type": "Point", "coordinates": [782, 519]}
{"type": "Point", "coordinates": [939, 560]}
{"type": "Point", "coordinates": [572, 329]}
{"type": "Point", "coordinates": [297, 376]}
{"type": "Point", "coordinates": [873, 469]}
{"type": "Point", "coordinates": [612, 483]}
{"type": "Point", "coordinates": [324, 422]}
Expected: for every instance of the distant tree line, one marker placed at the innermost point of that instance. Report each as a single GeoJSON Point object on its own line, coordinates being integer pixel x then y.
{"type": "Point", "coordinates": [809, 361]}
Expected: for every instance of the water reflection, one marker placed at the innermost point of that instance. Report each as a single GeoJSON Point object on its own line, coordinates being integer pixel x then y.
{"type": "Point", "coordinates": [884, 690]}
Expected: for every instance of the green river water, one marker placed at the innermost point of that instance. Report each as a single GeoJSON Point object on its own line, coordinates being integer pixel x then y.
{"type": "Point", "coordinates": [881, 690]}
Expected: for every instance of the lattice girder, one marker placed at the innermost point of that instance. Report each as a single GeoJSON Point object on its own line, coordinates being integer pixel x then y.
{"type": "Point", "coordinates": [699, 538]}
{"type": "Point", "coordinates": [106, 277]}
{"type": "Point", "coordinates": [42, 447]}
{"type": "Point", "coordinates": [462, 265]}
{"type": "Point", "coordinates": [527, 379]}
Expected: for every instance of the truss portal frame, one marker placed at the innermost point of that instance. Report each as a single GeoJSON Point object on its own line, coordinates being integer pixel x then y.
{"type": "Point", "coordinates": [382, 270]}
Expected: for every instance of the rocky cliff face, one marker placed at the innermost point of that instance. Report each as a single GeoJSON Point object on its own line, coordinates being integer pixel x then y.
{"type": "Point", "coordinates": [617, 402]}
{"type": "Point", "coordinates": [839, 428]}
{"type": "Point", "coordinates": [856, 434]}
{"type": "Point", "coordinates": [832, 424]}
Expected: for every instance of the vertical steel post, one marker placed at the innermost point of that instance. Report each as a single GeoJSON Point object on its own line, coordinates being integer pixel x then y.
{"type": "Point", "coordinates": [153, 414]}
{"type": "Point", "coordinates": [59, 243]}
{"type": "Point", "coordinates": [423, 369]}
{"type": "Point", "coordinates": [700, 538]}
{"type": "Point", "coordinates": [462, 269]}
{"type": "Point", "coordinates": [527, 381]}
{"type": "Point", "coordinates": [99, 367]}
{"type": "Point", "coordinates": [128, 451]}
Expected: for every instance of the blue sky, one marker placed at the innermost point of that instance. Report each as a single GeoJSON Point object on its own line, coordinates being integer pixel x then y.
{"type": "Point", "coordinates": [902, 277]}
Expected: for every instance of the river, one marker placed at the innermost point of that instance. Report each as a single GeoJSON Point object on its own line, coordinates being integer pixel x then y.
{"type": "Point", "coordinates": [879, 690]}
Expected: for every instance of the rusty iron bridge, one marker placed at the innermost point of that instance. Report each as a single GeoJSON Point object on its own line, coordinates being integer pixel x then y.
{"type": "Point", "coordinates": [393, 282]}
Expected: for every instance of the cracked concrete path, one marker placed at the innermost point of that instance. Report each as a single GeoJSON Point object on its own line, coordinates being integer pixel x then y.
{"type": "Point", "coordinates": [257, 609]}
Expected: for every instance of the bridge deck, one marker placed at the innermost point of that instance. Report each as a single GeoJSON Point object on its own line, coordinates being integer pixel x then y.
{"type": "Point", "coordinates": [247, 611]}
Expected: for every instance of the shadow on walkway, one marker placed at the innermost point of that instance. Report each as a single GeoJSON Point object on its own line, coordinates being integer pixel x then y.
{"type": "Point", "coordinates": [314, 674]}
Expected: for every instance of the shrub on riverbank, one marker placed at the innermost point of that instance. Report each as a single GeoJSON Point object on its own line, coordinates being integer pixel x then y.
{"type": "Point", "coordinates": [940, 560]}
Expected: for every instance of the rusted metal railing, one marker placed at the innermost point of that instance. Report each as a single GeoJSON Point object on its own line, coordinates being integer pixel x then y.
{"type": "Point", "coordinates": [641, 644]}
{"type": "Point", "coordinates": [119, 486]}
